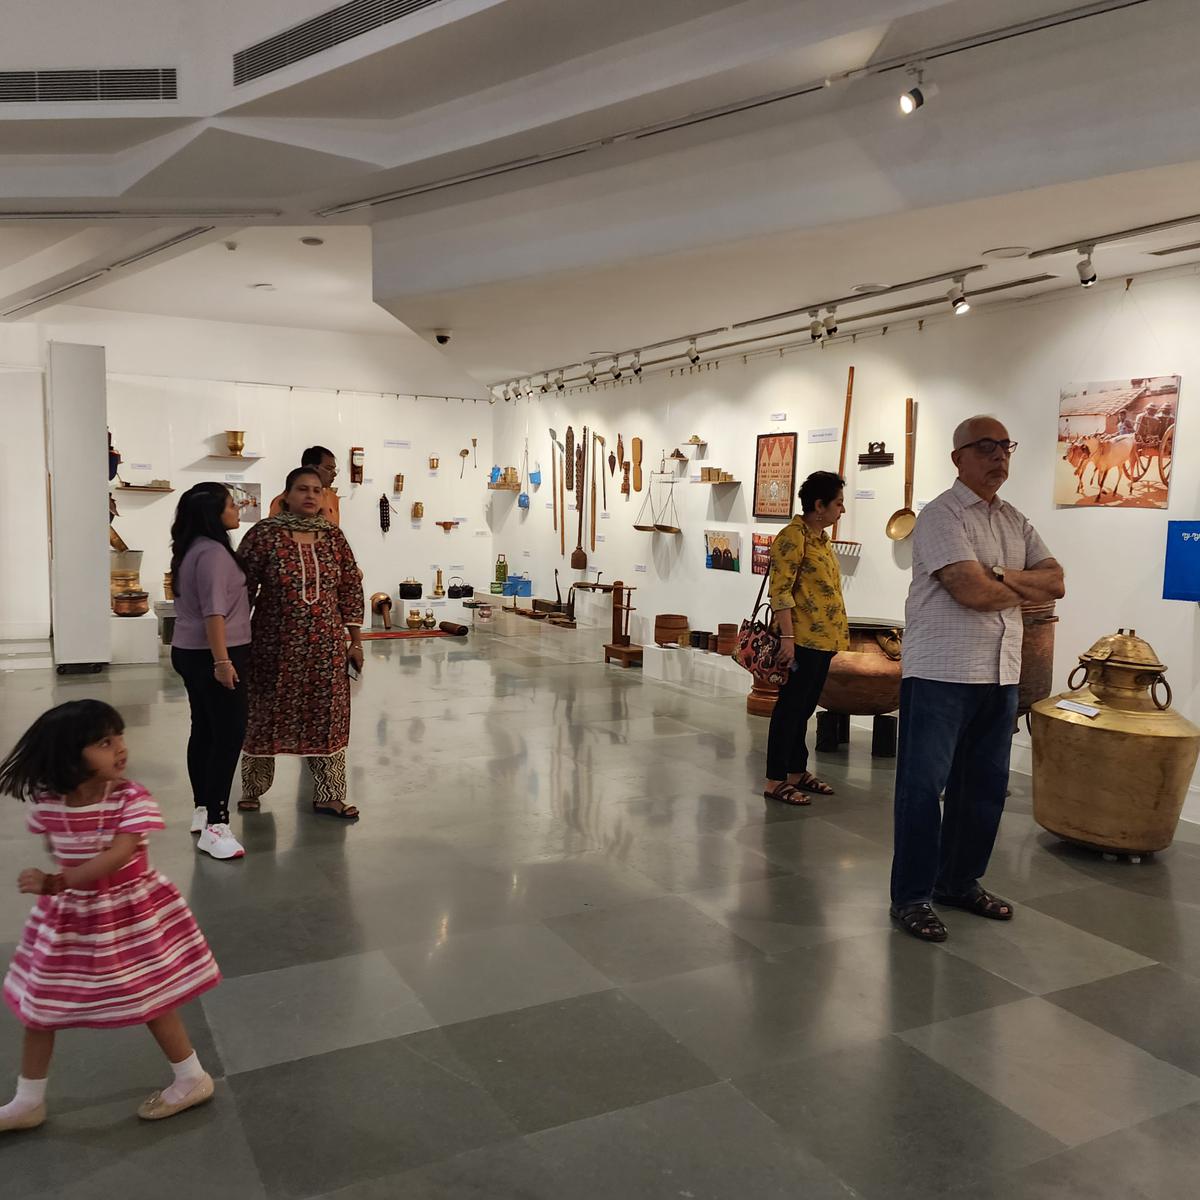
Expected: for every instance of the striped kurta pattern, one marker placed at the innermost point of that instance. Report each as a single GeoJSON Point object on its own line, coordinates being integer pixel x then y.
{"type": "Point", "coordinates": [122, 951]}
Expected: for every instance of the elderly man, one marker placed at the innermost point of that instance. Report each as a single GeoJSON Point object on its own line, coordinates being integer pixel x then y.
{"type": "Point", "coordinates": [976, 560]}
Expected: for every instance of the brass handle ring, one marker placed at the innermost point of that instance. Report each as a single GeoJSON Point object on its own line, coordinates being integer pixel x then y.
{"type": "Point", "coordinates": [1074, 687]}
{"type": "Point", "coordinates": [1154, 693]}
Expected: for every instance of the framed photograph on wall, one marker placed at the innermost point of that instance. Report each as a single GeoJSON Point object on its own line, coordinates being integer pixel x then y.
{"type": "Point", "coordinates": [775, 476]}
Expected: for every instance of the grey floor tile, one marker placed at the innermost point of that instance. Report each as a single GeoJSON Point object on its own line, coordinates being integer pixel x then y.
{"type": "Point", "coordinates": [650, 939]}
{"type": "Point", "coordinates": [1067, 1176]}
{"type": "Point", "coordinates": [564, 1061]}
{"type": "Point", "coordinates": [475, 975]}
{"type": "Point", "coordinates": [860, 1110]}
{"type": "Point", "coordinates": [689, 862]}
{"type": "Point", "coordinates": [103, 1151]}
{"type": "Point", "coordinates": [276, 1016]}
{"type": "Point", "coordinates": [1154, 1008]}
{"type": "Point", "coordinates": [1036, 952]}
{"type": "Point", "coordinates": [1066, 1076]}
{"type": "Point", "coordinates": [708, 1144]}
{"type": "Point", "coordinates": [318, 1124]}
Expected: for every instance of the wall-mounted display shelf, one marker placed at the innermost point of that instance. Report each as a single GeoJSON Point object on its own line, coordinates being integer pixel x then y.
{"type": "Point", "coordinates": [140, 487]}
{"type": "Point", "coordinates": [243, 458]}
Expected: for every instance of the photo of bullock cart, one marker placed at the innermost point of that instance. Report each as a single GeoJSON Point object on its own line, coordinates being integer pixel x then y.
{"type": "Point", "coordinates": [1116, 443]}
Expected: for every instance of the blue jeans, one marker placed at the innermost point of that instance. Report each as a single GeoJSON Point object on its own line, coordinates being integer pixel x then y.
{"type": "Point", "coordinates": [954, 738]}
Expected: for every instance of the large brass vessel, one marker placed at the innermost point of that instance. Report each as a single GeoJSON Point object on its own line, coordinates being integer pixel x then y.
{"type": "Point", "coordinates": [865, 680]}
{"type": "Point", "coordinates": [1037, 654]}
{"type": "Point", "coordinates": [1114, 777]}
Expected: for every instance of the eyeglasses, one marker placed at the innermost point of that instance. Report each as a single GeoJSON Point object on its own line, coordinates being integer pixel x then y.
{"type": "Point", "coordinates": [988, 446]}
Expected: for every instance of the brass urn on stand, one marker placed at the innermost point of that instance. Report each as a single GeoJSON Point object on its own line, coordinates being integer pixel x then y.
{"type": "Point", "coordinates": [1112, 761]}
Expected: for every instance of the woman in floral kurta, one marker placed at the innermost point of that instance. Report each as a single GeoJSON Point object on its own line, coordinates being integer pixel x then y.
{"type": "Point", "coordinates": [306, 590]}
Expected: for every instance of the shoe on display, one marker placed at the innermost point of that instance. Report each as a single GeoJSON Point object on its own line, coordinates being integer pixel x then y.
{"type": "Point", "coordinates": [155, 1108]}
{"type": "Point", "coordinates": [219, 842]}
{"type": "Point", "coordinates": [199, 819]}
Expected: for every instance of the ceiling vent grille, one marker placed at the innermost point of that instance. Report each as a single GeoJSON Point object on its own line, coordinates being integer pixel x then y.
{"type": "Point", "coordinates": [319, 33]}
{"type": "Point", "coordinates": [106, 85]}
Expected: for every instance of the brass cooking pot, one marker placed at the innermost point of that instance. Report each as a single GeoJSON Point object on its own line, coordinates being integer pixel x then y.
{"type": "Point", "coordinates": [131, 604]}
{"type": "Point", "coordinates": [1113, 776]}
{"type": "Point", "coordinates": [865, 680]}
{"type": "Point", "coordinates": [413, 618]}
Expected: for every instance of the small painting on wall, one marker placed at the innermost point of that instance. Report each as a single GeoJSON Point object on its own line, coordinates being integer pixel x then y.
{"type": "Point", "coordinates": [1116, 442]}
{"type": "Point", "coordinates": [775, 476]}
{"type": "Point", "coordinates": [248, 498]}
{"type": "Point", "coordinates": [722, 550]}
{"type": "Point", "coordinates": [760, 552]}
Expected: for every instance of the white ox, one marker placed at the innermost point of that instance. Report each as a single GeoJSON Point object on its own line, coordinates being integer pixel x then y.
{"type": "Point", "coordinates": [1105, 454]}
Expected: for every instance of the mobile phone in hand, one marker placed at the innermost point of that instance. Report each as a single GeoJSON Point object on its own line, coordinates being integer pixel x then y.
{"type": "Point", "coordinates": [351, 670]}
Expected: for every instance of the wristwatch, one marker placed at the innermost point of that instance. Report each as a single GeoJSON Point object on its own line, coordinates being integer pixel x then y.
{"type": "Point", "coordinates": [999, 573]}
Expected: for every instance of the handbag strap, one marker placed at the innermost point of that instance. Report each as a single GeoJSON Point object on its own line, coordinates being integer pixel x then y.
{"type": "Point", "coordinates": [762, 587]}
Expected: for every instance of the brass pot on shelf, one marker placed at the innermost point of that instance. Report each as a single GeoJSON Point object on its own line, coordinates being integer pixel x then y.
{"type": "Point", "coordinates": [168, 586]}
{"type": "Point", "coordinates": [412, 618]}
{"type": "Point", "coordinates": [124, 571]}
{"type": "Point", "coordinates": [131, 604]}
{"type": "Point", "coordinates": [430, 621]}
{"type": "Point", "coordinates": [1113, 776]}
{"type": "Point", "coordinates": [235, 439]}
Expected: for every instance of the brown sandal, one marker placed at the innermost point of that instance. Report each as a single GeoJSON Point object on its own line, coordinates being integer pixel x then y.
{"type": "Point", "coordinates": [980, 903]}
{"type": "Point", "coordinates": [347, 812]}
{"type": "Point", "coordinates": [787, 793]}
{"type": "Point", "coordinates": [810, 783]}
{"type": "Point", "coordinates": [920, 921]}
{"type": "Point", "coordinates": [249, 804]}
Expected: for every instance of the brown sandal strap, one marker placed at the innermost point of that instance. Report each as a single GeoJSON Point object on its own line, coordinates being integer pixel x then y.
{"type": "Point", "coordinates": [810, 783]}
{"type": "Point", "coordinates": [787, 793]}
{"type": "Point", "coordinates": [921, 922]}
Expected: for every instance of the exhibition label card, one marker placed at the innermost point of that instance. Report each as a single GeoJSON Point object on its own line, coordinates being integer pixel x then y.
{"type": "Point", "coordinates": [1084, 710]}
{"type": "Point", "coordinates": [823, 435]}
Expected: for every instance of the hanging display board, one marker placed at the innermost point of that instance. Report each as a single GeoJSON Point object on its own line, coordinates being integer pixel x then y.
{"type": "Point", "coordinates": [775, 476]}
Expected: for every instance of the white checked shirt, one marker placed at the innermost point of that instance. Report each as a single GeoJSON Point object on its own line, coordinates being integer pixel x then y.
{"type": "Point", "coordinates": [944, 640]}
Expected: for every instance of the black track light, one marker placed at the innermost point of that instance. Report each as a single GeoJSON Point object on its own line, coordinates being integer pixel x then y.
{"type": "Point", "coordinates": [560, 383]}
{"type": "Point", "coordinates": [917, 96]}
{"type": "Point", "coordinates": [831, 325]}
{"type": "Point", "coordinates": [635, 364]}
{"type": "Point", "coordinates": [591, 374]}
{"type": "Point", "coordinates": [615, 369]}
{"type": "Point", "coordinates": [958, 301]}
{"type": "Point", "coordinates": [815, 329]}
{"type": "Point", "coordinates": [692, 353]}
{"type": "Point", "coordinates": [1087, 273]}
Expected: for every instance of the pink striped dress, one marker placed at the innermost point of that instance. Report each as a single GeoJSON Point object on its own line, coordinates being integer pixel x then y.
{"type": "Point", "coordinates": [121, 951]}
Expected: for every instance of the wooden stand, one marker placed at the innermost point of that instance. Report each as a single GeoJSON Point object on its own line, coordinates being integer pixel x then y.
{"type": "Point", "coordinates": [620, 649]}
{"type": "Point", "coordinates": [761, 700]}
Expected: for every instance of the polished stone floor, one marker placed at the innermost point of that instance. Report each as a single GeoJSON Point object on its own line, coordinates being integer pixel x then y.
{"type": "Point", "coordinates": [569, 952]}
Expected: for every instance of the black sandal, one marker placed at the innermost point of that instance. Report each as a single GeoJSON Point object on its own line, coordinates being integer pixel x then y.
{"type": "Point", "coordinates": [347, 812]}
{"type": "Point", "coordinates": [920, 921]}
{"type": "Point", "coordinates": [980, 903]}
{"type": "Point", "coordinates": [787, 793]}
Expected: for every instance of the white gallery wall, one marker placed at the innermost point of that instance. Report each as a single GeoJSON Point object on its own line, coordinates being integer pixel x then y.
{"type": "Point", "coordinates": [1008, 361]}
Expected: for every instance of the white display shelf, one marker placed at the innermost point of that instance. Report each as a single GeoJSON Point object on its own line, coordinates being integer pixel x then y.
{"type": "Point", "coordinates": [134, 639]}
{"type": "Point", "coordinates": [700, 670]}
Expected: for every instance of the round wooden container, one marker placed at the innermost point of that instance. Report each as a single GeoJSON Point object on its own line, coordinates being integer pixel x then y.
{"type": "Point", "coordinates": [670, 628]}
{"type": "Point", "coordinates": [726, 638]}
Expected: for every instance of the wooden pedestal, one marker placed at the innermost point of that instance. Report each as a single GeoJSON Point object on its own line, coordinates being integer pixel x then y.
{"type": "Point", "coordinates": [627, 656]}
{"type": "Point", "coordinates": [761, 700]}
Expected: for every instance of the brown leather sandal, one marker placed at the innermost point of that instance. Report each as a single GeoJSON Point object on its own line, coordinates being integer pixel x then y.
{"type": "Point", "coordinates": [787, 793]}
{"type": "Point", "coordinates": [980, 903]}
{"type": "Point", "coordinates": [810, 783]}
{"type": "Point", "coordinates": [920, 921]}
{"type": "Point", "coordinates": [347, 812]}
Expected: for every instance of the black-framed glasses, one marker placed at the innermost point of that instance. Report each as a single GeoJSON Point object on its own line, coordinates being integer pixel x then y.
{"type": "Point", "coordinates": [987, 446]}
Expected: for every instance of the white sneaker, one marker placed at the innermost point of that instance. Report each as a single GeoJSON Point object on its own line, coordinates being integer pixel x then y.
{"type": "Point", "coordinates": [199, 819]}
{"type": "Point", "coordinates": [219, 842]}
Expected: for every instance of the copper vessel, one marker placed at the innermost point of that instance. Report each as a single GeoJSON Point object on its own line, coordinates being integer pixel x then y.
{"type": "Point", "coordinates": [131, 604]}
{"type": "Point", "coordinates": [168, 586]}
{"type": "Point", "coordinates": [381, 606]}
{"type": "Point", "coordinates": [865, 680]}
{"type": "Point", "coordinates": [124, 572]}
{"type": "Point", "coordinates": [1113, 776]}
{"type": "Point", "coordinates": [1037, 654]}
{"type": "Point", "coordinates": [418, 510]}
{"type": "Point", "coordinates": [413, 618]}
{"type": "Point", "coordinates": [235, 439]}
{"type": "Point", "coordinates": [430, 621]}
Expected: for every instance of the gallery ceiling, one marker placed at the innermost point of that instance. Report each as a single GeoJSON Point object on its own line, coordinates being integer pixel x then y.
{"type": "Point", "coordinates": [567, 183]}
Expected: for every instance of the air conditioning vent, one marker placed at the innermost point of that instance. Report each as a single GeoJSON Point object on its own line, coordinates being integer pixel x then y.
{"type": "Point", "coordinates": [319, 33]}
{"type": "Point", "coordinates": [103, 86]}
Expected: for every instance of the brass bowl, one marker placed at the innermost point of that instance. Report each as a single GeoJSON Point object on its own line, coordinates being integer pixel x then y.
{"type": "Point", "coordinates": [131, 604]}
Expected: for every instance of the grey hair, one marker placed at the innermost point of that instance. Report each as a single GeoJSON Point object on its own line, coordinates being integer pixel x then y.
{"type": "Point", "coordinates": [966, 430]}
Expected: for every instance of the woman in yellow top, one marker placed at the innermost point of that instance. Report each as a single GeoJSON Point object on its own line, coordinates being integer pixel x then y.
{"type": "Point", "coordinates": [806, 597]}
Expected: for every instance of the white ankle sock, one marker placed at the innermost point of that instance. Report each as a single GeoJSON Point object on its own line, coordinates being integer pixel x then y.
{"type": "Point", "coordinates": [188, 1073]}
{"type": "Point", "coordinates": [30, 1093]}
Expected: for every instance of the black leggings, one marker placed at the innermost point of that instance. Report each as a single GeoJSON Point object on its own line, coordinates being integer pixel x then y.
{"type": "Point", "coordinates": [218, 726]}
{"type": "Point", "coordinates": [787, 753]}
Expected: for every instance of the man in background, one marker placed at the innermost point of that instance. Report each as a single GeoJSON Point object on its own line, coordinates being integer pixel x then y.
{"type": "Point", "coordinates": [325, 465]}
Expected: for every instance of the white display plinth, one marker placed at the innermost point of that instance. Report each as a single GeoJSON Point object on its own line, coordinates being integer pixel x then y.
{"type": "Point", "coordinates": [699, 670]}
{"type": "Point", "coordinates": [134, 639]}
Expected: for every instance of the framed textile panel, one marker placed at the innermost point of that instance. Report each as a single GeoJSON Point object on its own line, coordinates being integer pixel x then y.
{"type": "Point", "coordinates": [775, 476]}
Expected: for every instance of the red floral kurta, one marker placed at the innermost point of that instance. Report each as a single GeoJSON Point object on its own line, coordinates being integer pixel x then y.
{"type": "Point", "coordinates": [304, 596]}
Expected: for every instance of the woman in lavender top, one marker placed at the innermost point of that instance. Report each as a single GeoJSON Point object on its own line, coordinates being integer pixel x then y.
{"type": "Point", "coordinates": [210, 650]}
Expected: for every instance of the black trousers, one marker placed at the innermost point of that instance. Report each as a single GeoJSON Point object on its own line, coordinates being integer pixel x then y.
{"type": "Point", "coordinates": [787, 753]}
{"type": "Point", "coordinates": [218, 726]}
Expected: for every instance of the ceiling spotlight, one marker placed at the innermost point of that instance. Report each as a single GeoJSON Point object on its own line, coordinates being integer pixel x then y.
{"type": "Point", "coordinates": [615, 369]}
{"type": "Point", "coordinates": [692, 353]}
{"type": "Point", "coordinates": [917, 95]}
{"type": "Point", "coordinates": [560, 383]}
{"type": "Point", "coordinates": [1087, 273]}
{"type": "Point", "coordinates": [831, 325]}
{"type": "Point", "coordinates": [815, 328]}
{"type": "Point", "coordinates": [591, 374]}
{"type": "Point", "coordinates": [544, 386]}
{"type": "Point", "coordinates": [958, 301]}
{"type": "Point", "coordinates": [635, 364]}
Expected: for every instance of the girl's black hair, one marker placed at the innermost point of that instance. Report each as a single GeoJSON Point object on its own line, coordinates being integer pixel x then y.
{"type": "Point", "coordinates": [295, 474]}
{"type": "Point", "coordinates": [198, 515]}
{"type": "Point", "coordinates": [49, 756]}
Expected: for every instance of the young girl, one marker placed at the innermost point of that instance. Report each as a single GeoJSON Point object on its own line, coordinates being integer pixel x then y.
{"type": "Point", "coordinates": [110, 942]}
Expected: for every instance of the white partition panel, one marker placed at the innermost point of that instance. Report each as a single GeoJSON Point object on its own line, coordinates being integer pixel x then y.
{"type": "Point", "coordinates": [77, 457]}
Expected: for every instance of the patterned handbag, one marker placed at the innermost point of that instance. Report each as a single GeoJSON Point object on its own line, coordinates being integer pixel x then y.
{"type": "Point", "coordinates": [758, 644]}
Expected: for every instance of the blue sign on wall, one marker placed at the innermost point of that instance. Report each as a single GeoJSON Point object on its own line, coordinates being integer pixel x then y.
{"type": "Point", "coordinates": [1181, 572]}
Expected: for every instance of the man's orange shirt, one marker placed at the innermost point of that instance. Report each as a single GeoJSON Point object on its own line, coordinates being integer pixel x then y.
{"type": "Point", "coordinates": [330, 508]}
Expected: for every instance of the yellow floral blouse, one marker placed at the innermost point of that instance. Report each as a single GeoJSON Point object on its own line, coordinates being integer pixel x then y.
{"type": "Point", "coordinates": [805, 578]}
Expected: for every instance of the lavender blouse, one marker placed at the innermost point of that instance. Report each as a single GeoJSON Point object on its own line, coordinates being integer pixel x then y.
{"type": "Point", "coordinates": [210, 584]}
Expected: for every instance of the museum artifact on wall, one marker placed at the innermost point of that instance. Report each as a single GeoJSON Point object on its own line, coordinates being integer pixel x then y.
{"type": "Point", "coordinates": [840, 543]}
{"type": "Point", "coordinates": [774, 476]}
{"type": "Point", "coordinates": [1116, 443]}
{"type": "Point", "coordinates": [903, 521]}
{"type": "Point", "coordinates": [1112, 761]}
{"type": "Point", "coordinates": [356, 464]}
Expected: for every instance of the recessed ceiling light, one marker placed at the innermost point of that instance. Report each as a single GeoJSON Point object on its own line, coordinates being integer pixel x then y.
{"type": "Point", "coordinates": [261, 287]}
{"type": "Point", "coordinates": [312, 241]}
{"type": "Point", "coordinates": [866, 289]}
{"type": "Point", "coordinates": [1006, 252]}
